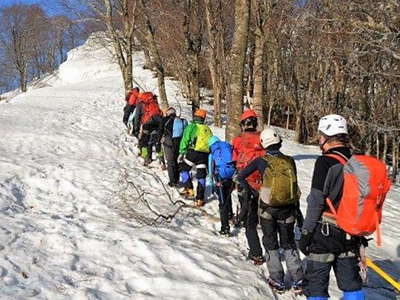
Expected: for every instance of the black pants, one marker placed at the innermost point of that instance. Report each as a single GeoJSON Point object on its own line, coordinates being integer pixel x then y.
{"type": "Point", "coordinates": [171, 153]}
{"type": "Point", "coordinates": [278, 225]}
{"type": "Point", "coordinates": [224, 190]}
{"type": "Point", "coordinates": [128, 110]}
{"type": "Point", "coordinates": [278, 222]}
{"type": "Point", "coordinates": [198, 160]}
{"type": "Point", "coordinates": [316, 279]}
{"type": "Point", "coordinates": [251, 197]}
{"type": "Point", "coordinates": [243, 205]}
{"type": "Point", "coordinates": [149, 130]}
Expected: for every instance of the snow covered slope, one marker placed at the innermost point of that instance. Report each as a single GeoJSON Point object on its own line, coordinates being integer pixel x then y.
{"type": "Point", "coordinates": [72, 223]}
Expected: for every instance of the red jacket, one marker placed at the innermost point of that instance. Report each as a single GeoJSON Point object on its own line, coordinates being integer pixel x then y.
{"type": "Point", "coordinates": [247, 147]}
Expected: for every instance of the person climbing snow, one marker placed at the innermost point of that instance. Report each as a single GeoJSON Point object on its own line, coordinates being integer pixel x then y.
{"type": "Point", "coordinates": [147, 119]}
{"type": "Point", "coordinates": [193, 152]}
{"type": "Point", "coordinates": [170, 133]}
{"type": "Point", "coordinates": [325, 240]}
{"type": "Point", "coordinates": [131, 101]}
{"type": "Point", "coordinates": [221, 169]}
{"type": "Point", "coordinates": [247, 147]}
{"type": "Point", "coordinates": [278, 206]}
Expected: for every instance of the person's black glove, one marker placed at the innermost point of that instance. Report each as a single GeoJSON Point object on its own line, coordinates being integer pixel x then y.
{"type": "Point", "coordinates": [305, 241]}
{"type": "Point", "coordinates": [299, 217]}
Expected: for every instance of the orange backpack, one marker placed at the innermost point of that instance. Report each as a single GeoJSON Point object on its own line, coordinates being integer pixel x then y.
{"type": "Point", "coordinates": [249, 148]}
{"type": "Point", "coordinates": [365, 186]}
{"type": "Point", "coordinates": [150, 107]}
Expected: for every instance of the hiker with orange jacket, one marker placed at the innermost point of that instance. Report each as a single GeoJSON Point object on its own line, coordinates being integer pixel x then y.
{"type": "Point", "coordinates": [148, 116]}
{"type": "Point", "coordinates": [322, 241]}
{"type": "Point", "coordinates": [247, 147]}
{"type": "Point", "coordinates": [131, 101]}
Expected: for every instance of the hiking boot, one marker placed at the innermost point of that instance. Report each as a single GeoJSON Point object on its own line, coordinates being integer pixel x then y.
{"type": "Point", "coordinates": [186, 193]}
{"type": "Point", "coordinates": [238, 223]}
{"type": "Point", "coordinates": [257, 259]}
{"type": "Point", "coordinates": [225, 232]}
{"type": "Point", "coordinates": [297, 287]}
{"type": "Point", "coordinates": [147, 161]}
{"type": "Point", "coordinates": [200, 202]}
{"type": "Point", "coordinates": [277, 286]}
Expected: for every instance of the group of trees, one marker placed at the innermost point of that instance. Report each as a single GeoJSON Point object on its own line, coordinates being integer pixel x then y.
{"type": "Point", "coordinates": [32, 43]}
{"type": "Point", "coordinates": [290, 60]}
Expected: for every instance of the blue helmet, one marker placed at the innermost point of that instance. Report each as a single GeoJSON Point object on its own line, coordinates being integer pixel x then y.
{"type": "Point", "coordinates": [213, 140]}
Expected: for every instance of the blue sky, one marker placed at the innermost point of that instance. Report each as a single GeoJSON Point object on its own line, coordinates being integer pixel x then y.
{"type": "Point", "coordinates": [50, 6]}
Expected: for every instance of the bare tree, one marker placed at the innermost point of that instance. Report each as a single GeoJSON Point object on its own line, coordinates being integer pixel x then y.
{"type": "Point", "coordinates": [218, 21]}
{"type": "Point", "coordinates": [155, 57]}
{"type": "Point", "coordinates": [237, 63]}
{"type": "Point", "coordinates": [14, 38]}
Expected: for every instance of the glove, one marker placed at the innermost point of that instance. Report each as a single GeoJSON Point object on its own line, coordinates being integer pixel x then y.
{"type": "Point", "coordinates": [299, 217]}
{"type": "Point", "coordinates": [180, 158]}
{"type": "Point", "coordinates": [235, 179]}
{"type": "Point", "coordinates": [305, 241]}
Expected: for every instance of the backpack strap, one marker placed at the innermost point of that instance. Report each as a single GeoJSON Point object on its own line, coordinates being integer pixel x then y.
{"type": "Point", "coordinates": [342, 159]}
{"type": "Point", "coordinates": [338, 156]}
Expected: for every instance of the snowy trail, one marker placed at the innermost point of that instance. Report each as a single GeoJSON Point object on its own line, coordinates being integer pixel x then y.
{"type": "Point", "coordinates": [66, 226]}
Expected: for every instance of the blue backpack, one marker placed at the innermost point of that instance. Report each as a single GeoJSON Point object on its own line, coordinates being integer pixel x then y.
{"type": "Point", "coordinates": [222, 155]}
{"type": "Point", "coordinates": [178, 127]}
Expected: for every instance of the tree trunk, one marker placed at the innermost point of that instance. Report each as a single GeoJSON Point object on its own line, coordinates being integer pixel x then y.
{"type": "Point", "coordinates": [216, 56]}
{"type": "Point", "coordinates": [287, 118]}
{"type": "Point", "coordinates": [377, 145]}
{"type": "Point", "coordinates": [147, 59]}
{"type": "Point", "coordinates": [157, 62]}
{"type": "Point", "coordinates": [193, 32]}
{"type": "Point", "coordinates": [23, 79]}
{"type": "Point", "coordinates": [270, 113]}
{"type": "Point", "coordinates": [237, 61]}
{"type": "Point", "coordinates": [385, 146]}
{"type": "Point", "coordinates": [249, 67]}
{"type": "Point", "coordinates": [257, 103]}
{"type": "Point", "coordinates": [395, 158]}
{"type": "Point", "coordinates": [298, 126]}
{"type": "Point", "coordinates": [194, 81]}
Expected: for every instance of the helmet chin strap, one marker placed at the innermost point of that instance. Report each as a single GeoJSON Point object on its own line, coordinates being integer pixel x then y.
{"type": "Point", "coordinates": [321, 146]}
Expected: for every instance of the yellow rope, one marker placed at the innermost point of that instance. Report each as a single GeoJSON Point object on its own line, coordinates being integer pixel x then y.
{"type": "Point", "coordinates": [383, 274]}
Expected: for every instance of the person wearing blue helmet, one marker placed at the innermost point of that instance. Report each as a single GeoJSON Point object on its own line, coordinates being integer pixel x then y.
{"type": "Point", "coordinates": [221, 169]}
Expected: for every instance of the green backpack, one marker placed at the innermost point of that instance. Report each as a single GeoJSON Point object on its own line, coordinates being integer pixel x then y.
{"type": "Point", "coordinates": [203, 134]}
{"type": "Point", "coordinates": [279, 185]}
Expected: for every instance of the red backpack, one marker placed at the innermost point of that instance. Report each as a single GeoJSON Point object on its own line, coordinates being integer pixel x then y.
{"type": "Point", "coordinates": [249, 148]}
{"type": "Point", "coordinates": [150, 107]}
{"type": "Point", "coordinates": [365, 186]}
{"type": "Point", "coordinates": [133, 97]}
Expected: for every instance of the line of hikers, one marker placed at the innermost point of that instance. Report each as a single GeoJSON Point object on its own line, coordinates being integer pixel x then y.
{"type": "Point", "coordinates": [344, 204]}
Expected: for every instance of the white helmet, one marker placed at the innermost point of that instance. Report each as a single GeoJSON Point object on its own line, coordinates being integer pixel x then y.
{"type": "Point", "coordinates": [269, 137]}
{"type": "Point", "coordinates": [331, 125]}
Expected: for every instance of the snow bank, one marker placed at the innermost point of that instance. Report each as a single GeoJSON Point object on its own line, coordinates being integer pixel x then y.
{"type": "Point", "coordinates": [90, 61]}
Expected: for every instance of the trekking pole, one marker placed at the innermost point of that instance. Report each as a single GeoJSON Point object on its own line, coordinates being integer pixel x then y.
{"type": "Point", "coordinates": [383, 274]}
